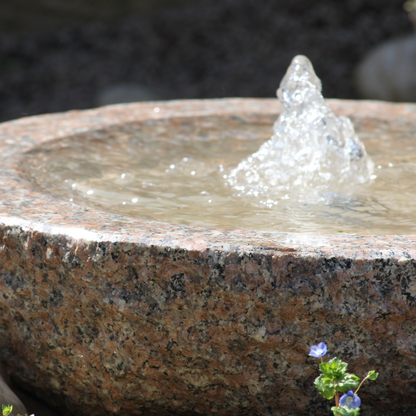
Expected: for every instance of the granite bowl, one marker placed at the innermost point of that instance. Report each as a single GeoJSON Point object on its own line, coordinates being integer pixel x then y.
{"type": "Point", "coordinates": [109, 314]}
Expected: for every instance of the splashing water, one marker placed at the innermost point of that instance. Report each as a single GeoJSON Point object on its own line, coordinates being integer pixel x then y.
{"type": "Point", "coordinates": [313, 175]}
{"type": "Point", "coordinates": [311, 149]}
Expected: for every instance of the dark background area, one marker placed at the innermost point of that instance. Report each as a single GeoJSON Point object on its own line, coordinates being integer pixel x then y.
{"type": "Point", "coordinates": [57, 55]}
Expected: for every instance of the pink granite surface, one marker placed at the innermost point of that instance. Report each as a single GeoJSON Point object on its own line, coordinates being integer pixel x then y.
{"type": "Point", "coordinates": [110, 314]}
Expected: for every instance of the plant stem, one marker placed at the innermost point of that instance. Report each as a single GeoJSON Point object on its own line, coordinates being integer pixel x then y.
{"type": "Point", "coordinates": [336, 398]}
{"type": "Point", "coordinates": [362, 381]}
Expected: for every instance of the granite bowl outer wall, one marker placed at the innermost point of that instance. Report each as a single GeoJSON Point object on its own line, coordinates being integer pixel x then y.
{"type": "Point", "coordinates": [106, 314]}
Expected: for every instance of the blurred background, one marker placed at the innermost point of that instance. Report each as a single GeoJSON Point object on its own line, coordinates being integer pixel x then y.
{"type": "Point", "coordinates": [57, 55]}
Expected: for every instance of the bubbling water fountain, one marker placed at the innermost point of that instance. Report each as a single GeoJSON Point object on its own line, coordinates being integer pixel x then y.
{"type": "Point", "coordinates": [313, 175]}
{"type": "Point", "coordinates": [135, 308]}
{"type": "Point", "coordinates": [311, 147]}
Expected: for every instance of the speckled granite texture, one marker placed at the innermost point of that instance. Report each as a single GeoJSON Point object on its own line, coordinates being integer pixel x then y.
{"type": "Point", "coordinates": [105, 314]}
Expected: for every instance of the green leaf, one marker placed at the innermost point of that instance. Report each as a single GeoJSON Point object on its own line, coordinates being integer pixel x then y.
{"type": "Point", "coordinates": [372, 375]}
{"type": "Point", "coordinates": [334, 368]}
{"type": "Point", "coordinates": [345, 411]}
{"type": "Point", "coordinates": [349, 382]}
{"type": "Point", "coordinates": [335, 377]}
{"type": "Point", "coordinates": [7, 410]}
{"type": "Point", "coordinates": [326, 386]}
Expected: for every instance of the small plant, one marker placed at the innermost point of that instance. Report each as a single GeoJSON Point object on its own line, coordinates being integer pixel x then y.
{"type": "Point", "coordinates": [335, 380]}
{"type": "Point", "coordinates": [6, 410]}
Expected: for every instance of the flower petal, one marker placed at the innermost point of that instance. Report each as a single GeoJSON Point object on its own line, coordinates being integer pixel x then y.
{"type": "Point", "coordinates": [350, 400]}
{"type": "Point", "coordinates": [318, 350]}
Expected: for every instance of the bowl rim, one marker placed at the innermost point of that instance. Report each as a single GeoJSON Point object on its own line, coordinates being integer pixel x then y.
{"type": "Point", "coordinates": [25, 208]}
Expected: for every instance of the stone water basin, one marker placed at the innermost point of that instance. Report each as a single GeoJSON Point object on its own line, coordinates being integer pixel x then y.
{"type": "Point", "coordinates": [105, 313]}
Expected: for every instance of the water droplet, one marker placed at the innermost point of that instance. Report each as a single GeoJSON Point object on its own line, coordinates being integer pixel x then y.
{"type": "Point", "coordinates": [156, 109]}
{"type": "Point", "coordinates": [90, 192]}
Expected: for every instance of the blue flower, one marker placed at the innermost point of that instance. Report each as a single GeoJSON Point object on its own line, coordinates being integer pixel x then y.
{"type": "Point", "coordinates": [318, 350]}
{"type": "Point", "coordinates": [351, 400]}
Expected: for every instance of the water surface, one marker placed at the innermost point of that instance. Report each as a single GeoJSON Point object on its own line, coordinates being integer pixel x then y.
{"type": "Point", "coordinates": [175, 170]}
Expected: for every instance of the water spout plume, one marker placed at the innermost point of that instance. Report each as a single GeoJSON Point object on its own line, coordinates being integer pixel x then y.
{"type": "Point", "coordinates": [311, 147]}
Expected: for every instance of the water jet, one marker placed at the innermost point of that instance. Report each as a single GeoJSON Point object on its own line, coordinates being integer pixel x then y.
{"type": "Point", "coordinates": [105, 311]}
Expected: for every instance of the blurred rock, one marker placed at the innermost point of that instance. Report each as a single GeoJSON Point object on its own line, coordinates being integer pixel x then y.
{"type": "Point", "coordinates": [410, 7]}
{"type": "Point", "coordinates": [34, 406]}
{"type": "Point", "coordinates": [388, 72]}
{"type": "Point", "coordinates": [7, 397]}
{"type": "Point", "coordinates": [125, 93]}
